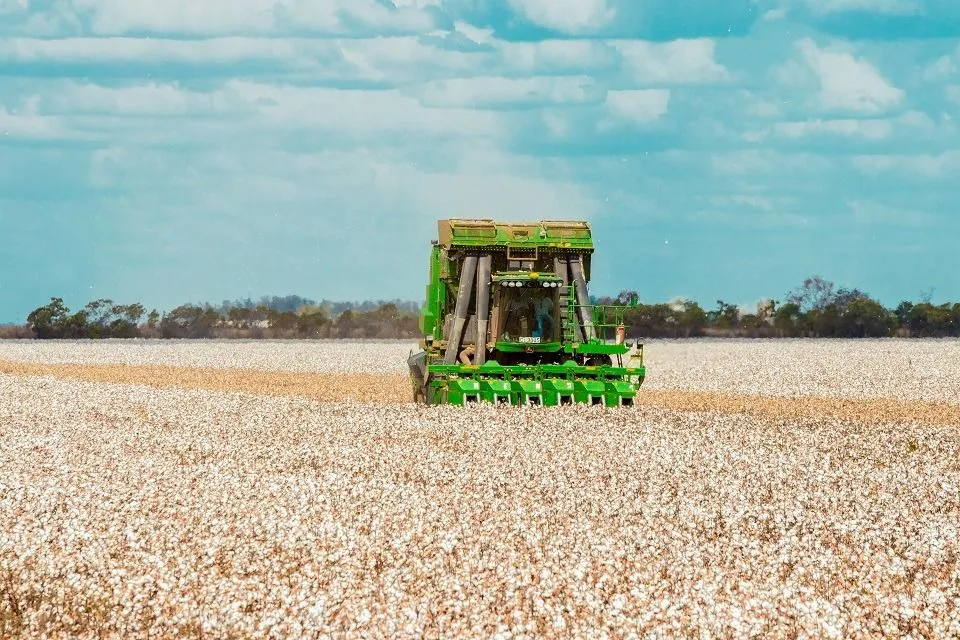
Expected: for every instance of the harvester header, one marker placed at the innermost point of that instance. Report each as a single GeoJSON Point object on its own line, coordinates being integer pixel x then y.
{"type": "Point", "coordinates": [488, 234]}
{"type": "Point", "coordinates": [508, 318]}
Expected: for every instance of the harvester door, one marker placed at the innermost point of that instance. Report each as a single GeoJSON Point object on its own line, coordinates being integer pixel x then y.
{"type": "Point", "coordinates": [528, 314]}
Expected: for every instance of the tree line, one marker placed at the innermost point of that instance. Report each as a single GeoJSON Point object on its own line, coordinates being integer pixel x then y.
{"type": "Point", "coordinates": [271, 317]}
{"type": "Point", "coordinates": [816, 309]}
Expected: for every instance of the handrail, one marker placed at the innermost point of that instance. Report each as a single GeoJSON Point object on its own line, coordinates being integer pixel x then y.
{"type": "Point", "coordinates": [600, 314]}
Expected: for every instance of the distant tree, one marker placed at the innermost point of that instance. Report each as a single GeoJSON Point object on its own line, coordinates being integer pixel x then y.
{"type": "Point", "coordinates": [346, 324]}
{"type": "Point", "coordinates": [766, 307]}
{"type": "Point", "coordinates": [864, 317]}
{"type": "Point", "coordinates": [47, 321]}
{"type": "Point", "coordinates": [189, 321]}
{"type": "Point", "coordinates": [313, 324]}
{"type": "Point", "coordinates": [627, 297]}
{"type": "Point", "coordinates": [928, 320]}
{"type": "Point", "coordinates": [132, 313]}
{"type": "Point", "coordinates": [815, 294]}
{"type": "Point", "coordinates": [282, 320]}
{"type": "Point", "coordinates": [902, 313]}
{"type": "Point", "coordinates": [788, 319]}
{"type": "Point", "coordinates": [752, 322]}
{"type": "Point", "coordinates": [727, 316]}
{"type": "Point", "coordinates": [75, 326]}
{"type": "Point", "coordinates": [654, 321]}
{"type": "Point", "coordinates": [239, 317]}
{"type": "Point", "coordinates": [843, 297]}
{"type": "Point", "coordinates": [692, 318]}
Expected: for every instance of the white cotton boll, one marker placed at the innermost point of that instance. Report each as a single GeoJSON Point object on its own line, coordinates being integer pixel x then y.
{"type": "Point", "coordinates": [165, 512]}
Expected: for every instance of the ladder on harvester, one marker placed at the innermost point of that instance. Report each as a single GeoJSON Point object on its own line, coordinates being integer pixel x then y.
{"type": "Point", "coordinates": [568, 316]}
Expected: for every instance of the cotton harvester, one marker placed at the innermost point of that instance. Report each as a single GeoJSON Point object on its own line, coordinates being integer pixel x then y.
{"type": "Point", "coordinates": [508, 319]}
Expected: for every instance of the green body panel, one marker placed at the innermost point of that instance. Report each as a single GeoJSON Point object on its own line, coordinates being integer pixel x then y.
{"type": "Point", "coordinates": [519, 347]}
{"type": "Point", "coordinates": [484, 233]}
{"type": "Point", "coordinates": [537, 262]}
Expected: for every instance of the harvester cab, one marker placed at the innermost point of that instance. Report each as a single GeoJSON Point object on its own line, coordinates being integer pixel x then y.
{"type": "Point", "coordinates": [508, 319]}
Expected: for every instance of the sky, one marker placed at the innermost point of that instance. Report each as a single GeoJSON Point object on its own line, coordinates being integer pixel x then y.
{"type": "Point", "coordinates": [174, 151]}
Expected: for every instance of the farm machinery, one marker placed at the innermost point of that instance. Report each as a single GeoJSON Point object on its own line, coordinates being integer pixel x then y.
{"type": "Point", "coordinates": [508, 319]}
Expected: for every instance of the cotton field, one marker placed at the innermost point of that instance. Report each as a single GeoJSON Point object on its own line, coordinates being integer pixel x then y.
{"type": "Point", "coordinates": [915, 369]}
{"type": "Point", "coordinates": [142, 506]}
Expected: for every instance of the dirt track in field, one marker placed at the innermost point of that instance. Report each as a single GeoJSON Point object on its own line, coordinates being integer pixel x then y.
{"type": "Point", "coordinates": [394, 389]}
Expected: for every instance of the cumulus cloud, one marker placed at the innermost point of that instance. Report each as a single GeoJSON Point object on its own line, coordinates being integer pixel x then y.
{"type": "Point", "coordinates": [214, 51]}
{"type": "Point", "coordinates": [953, 94]}
{"type": "Point", "coordinates": [13, 7]}
{"type": "Point", "coordinates": [26, 124]}
{"type": "Point", "coordinates": [146, 99]}
{"type": "Point", "coordinates": [848, 83]}
{"type": "Point", "coordinates": [889, 7]}
{"type": "Point", "coordinates": [142, 112]}
{"type": "Point", "coordinates": [218, 17]}
{"type": "Point", "coordinates": [914, 122]}
{"type": "Point", "coordinates": [868, 129]}
{"type": "Point", "coordinates": [638, 106]}
{"type": "Point", "coordinates": [669, 63]}
{"type": "Point", "coordinates": [870, 213]}
{"type": "Point", "coordinates": [500, 92]}
{"type": "Point", "coordinates": [932, 166]}
{"type": "Point", "coordinates": [570, 16]}
{"type": "Point", "coordinates": [943, 68]}
{"type": "Point", "coordinates": [388, 60]}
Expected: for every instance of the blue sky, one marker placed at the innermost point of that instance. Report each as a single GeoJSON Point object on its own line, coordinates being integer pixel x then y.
{"type": "Point", "coordinates": [168, 151]}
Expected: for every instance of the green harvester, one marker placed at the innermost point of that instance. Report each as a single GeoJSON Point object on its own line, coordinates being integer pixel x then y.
{"type": "Point", "coordinates": [508, 319]}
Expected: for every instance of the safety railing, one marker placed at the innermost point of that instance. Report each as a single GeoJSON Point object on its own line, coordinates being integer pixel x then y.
{"type": "Point", "coordinates": [608, 320]}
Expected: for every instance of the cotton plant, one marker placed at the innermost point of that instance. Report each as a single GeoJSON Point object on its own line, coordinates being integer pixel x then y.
{"type": "Point", "coordinates": [136, 511]}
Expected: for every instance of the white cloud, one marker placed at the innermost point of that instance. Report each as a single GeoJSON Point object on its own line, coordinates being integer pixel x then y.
{"type": "Point", "coordinates": [550, 56]}
{"type": "Point", "coordinates": [298, 52]}
{"type": "Point", "coordinates": [143, 113]}
{"type": "Point", "coordinates": [911, 123]}
{"type": "Point", "coordinates": [557, 126]}
{"type": "Point", "coordinates": [499, 92]}
{"type": "Point", "coordinates": [13, 7]}
{"type": "Point", "coordinates": [391, 60]}
{"type": "Point", "coordinates": [219, 17]}
{"type": "Point", "coordinates": [669, 63]}
{"type": "Point", "coordinates": [756, 162]}
{"type": "Point", "coordinates": [889, 7]}
{"type": "Point", "coordinates": [478, 35]}
{"type": "Point", "coordinates": [870, 213]}
{"type": "Point", "coordinates": [147, 99]}
{"type": "Point", "coordinates": [638, 106]}
{"type": "Point", "coordinates": [417, 4]}
{"type": "Point", "coordinates": [943, 68]}
{"type": "Point", "coordinates": [318, 204]}
{"type": "Point", "coordinates": [359, 181]}
{"type": "Point", "coordinates": [741, 200]}
{"type": "Point", "coordinates": [855, 128]}
{"type": "Point", "coordinates": [953, 94]}
{"type": "Point", "coordinates": [946, 164]}
{"type": "Point", "coordinates": [570, 16]}
{"type": "Point", "coordinates": [31, 126]}
{"type": "Point", "coordinates": [358, 112]}
{"type": "Point", "coordinates": [847, 83]}
{"type": "Point", "coordinates": [494, 182]}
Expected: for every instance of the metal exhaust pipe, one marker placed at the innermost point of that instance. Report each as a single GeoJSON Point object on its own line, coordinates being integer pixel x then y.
{"type": "Point", "coordinates": [561, 266]}
{"type": "Point", "coordinates": [576, 270]}
{"type": "Point", "coordinates": [483, 307]}
{"type": "Point", "coordinates": [467, 274]}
